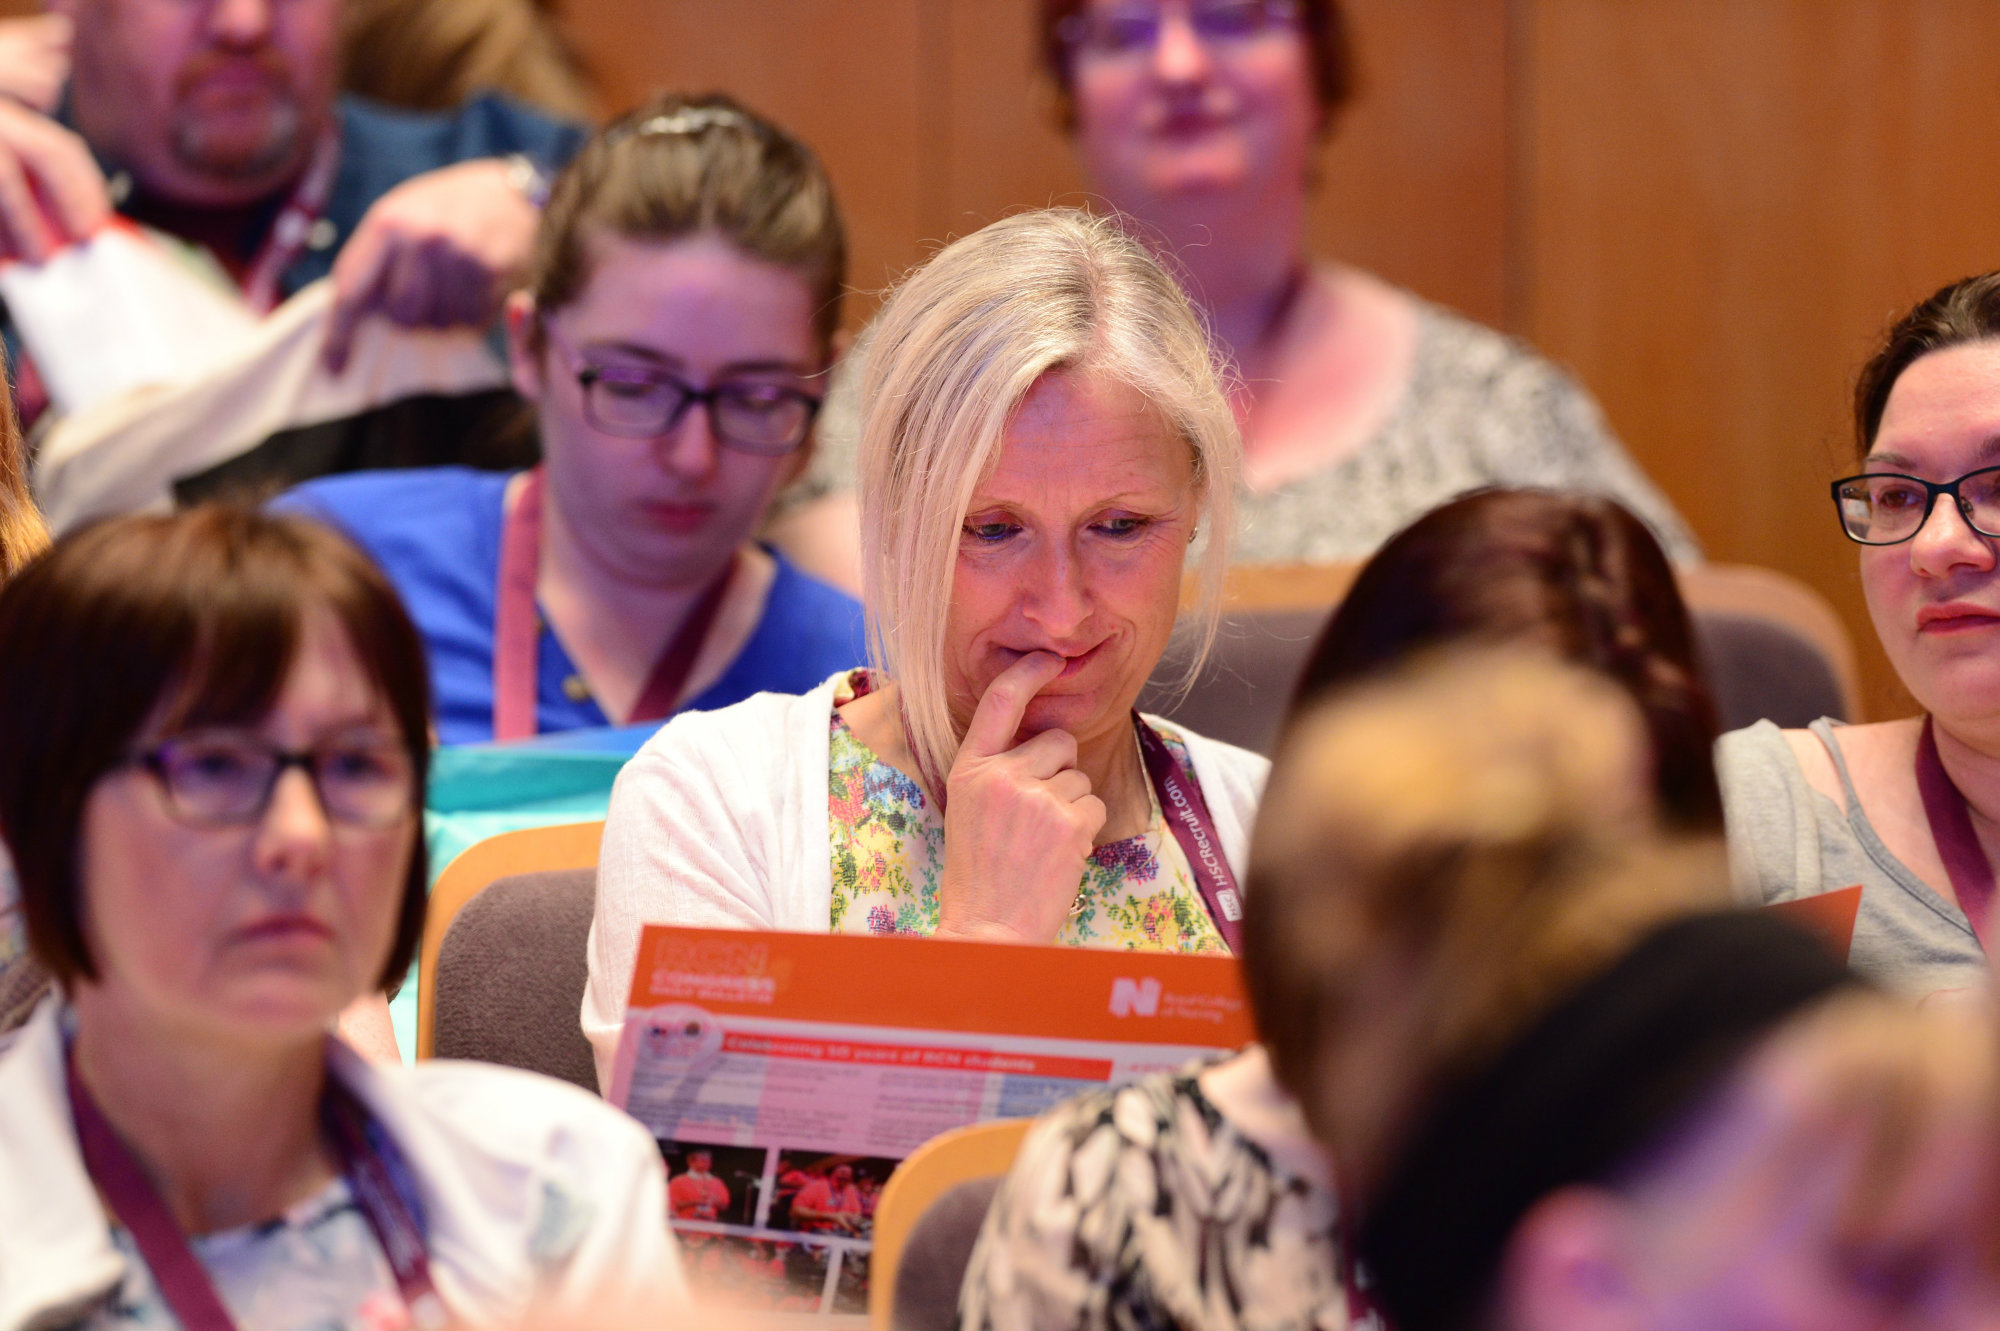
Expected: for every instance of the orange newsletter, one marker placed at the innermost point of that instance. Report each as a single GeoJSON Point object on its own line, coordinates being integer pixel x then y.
{"type": "Point", "coordinates": [1831, 915]}
{"type": "Point", "coordinates": [784, 1075]}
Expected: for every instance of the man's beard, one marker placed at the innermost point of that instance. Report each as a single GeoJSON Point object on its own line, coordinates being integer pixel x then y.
{"type": "Point", "coordinates": [231, 157]}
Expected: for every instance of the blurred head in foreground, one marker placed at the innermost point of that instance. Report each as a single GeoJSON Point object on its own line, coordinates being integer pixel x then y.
{"type": "Point", "coordinates": [1561, 1087]}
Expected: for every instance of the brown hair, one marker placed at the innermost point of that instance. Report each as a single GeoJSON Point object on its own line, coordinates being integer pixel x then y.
{"type": "Point", "coordinates": [1954, 315]}
{"type": "Point", "coordinates": [681, 166]}
{"type": "Point", "coordinates": [1327, 40]}
{"type": "Point", "coordinates": [193, 618]}
{"type": "Point", "coordinates": [1476, 823]}
{"type": "Point", "coordinates": [22, 535]}
{"type": "Point", "coordinates": [435, 55]}
{"type": "Point", "coordinates": [1576, 573]}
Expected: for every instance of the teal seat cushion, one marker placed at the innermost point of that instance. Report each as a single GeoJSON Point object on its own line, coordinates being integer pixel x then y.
{"type": "Point", "coordinates": [481, 790]}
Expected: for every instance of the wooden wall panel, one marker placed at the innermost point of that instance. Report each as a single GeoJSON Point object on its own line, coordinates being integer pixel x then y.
{"type": "Point", "coordinates": [1722, 204]}
{"type": "Point", "coordinates": [1413, 184]}
{"type": "Point", "coordinates": [933, 120]}
{"type": "Point", "coordinates": [855, 80]}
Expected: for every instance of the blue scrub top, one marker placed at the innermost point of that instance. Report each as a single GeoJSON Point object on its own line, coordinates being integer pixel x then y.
{"type": "Point", "coordinates": [436, 532]}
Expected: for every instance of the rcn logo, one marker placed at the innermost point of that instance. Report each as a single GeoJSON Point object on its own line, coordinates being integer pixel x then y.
{"type": "Point", "coordinates": [1135, 998]}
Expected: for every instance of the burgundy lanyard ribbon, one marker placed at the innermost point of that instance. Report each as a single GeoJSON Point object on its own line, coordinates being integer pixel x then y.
{"type": "Point", "coordinates": [517, 628]}
{"type": "Point", "coordinates": [291, 230]}
{"type": "Point", "coordinates": [376, 1173]}
{"type": "Point", "coordinates": [1187, 817]}
{"type": "Point", "coordinates": [1965, 862]}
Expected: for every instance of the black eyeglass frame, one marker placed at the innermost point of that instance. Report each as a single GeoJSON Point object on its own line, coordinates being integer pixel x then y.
{"type": "Point", "coordinates": [153, 760]}
{"type": "Point", "coordinates": [588, 375]}
{"type": "Point", "coordinates": [1932, 490]}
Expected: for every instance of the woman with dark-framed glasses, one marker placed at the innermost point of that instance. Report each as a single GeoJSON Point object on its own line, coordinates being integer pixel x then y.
{"type": "Point", "coordinates": [672, 336]}
{"type": "Point", "coordinates": [216, 725]}
{"type": "Point", "coordinates": [1908, 809]}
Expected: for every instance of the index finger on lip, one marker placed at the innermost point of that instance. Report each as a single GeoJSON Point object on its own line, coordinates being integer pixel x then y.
{"type": "Point", "coordinates": [998, 716]}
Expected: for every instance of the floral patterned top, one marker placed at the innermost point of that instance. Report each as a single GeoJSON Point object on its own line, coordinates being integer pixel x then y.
{"type": "Point", "coordinates": [316, 1268]}
{"type": "Point", "coordinates": [888, 856]}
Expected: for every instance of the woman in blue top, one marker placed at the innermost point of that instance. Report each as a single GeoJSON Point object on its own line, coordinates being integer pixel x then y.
{"type": "Point", "coordinates": [673, 337]}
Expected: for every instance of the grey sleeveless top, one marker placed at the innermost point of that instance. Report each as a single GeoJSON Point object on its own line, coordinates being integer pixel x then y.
{"type": "Point", "coordinates": [1788, 841]}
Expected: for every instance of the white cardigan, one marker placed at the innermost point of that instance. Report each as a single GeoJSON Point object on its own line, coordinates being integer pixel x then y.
{"type": "Point", "coordinates": [720, 822]}
{"type": "Point", "coordinates": [508, 1166]}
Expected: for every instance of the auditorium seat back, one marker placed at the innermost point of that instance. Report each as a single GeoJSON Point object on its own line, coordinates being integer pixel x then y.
{"type": "Point", "coordinates": [476, 868]}
{"type": "Point", "coordinates": [928, 1216]}
{"type": "Point", "coordinates": [510, 976]}
{"type": "Point", "coordinates": [1772, 647]}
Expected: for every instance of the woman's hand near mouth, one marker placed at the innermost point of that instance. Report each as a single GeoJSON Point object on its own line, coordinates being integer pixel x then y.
{"type": "Point", "coordinates": [1019, 819]}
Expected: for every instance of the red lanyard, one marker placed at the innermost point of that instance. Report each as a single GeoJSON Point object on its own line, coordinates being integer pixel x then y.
{"type": "Point", "coordinates": [517, 628]}
{"type": "Point", "coordinates": [1187, 816]}
{"type": "Point", "coordinates": [1965, 863]}
{"type": "Point", "coordinates": [377, 1176]}
{"type": "Point", "coordinates": [291, 230]}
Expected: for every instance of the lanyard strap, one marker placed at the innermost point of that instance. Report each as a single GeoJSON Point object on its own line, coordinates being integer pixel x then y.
{"type": "Point", "coordinates": [137, 1204]}
{"type": "Point", "coordinates": [376, 1173]}
{"type": "Point", "coordinates": [1187, 816]}
{"type": "Point", "coordinates": [1965, 863]}
{"type": "Point", "coordinates": [517, 628]}
{"type": "Point", "coordinates": [292, 229]}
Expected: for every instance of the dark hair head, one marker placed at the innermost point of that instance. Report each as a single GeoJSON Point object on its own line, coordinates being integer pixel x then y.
{"type": "Point", "coordinates": [1575, 573]}
{"type": "Point", "coordinates": [1964, 312]}
{"type": "Point", "coordinates": [179, 621]}
{"type": "Point", "coordinates": [1327, 39]}
{"type": "Point", "coordinates": [683, 166]}
{"type": "Point", "coordinates": [1589, 1090]}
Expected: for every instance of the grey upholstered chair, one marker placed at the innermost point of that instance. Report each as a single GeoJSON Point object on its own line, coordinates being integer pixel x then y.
{"type": "Point", "coordinates": [1757, 668]}
{"type": "Point", "coordinates": [510, 975]}
{"type": "Point", "coordinates": [935, 1258]}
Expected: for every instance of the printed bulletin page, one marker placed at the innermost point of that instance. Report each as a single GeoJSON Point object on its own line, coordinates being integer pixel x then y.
{"type": "Point", "coordinates": [785, 1075]}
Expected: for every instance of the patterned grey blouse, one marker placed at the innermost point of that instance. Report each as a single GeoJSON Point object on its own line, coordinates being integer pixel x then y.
{"type": "Point", "coordinates": [1143, 1207]}
{"type": "Point", "coordinates": [1480, 409]}
{"type": "Point", "coordinates": [22, 981]}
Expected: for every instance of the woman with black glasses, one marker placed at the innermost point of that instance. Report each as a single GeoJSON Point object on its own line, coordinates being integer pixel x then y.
{"type": "Point", "coordinates": [216, 733]}
{"type": "Point", "coordinates": [672, 336]}
{"type": "Point", "coordinates": [1907, 809]}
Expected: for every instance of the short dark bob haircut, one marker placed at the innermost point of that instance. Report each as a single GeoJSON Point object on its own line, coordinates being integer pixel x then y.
{"type": "Point", "coordinates": [1327, 41]}
{"type": "Point", "coordinates": [1576, 573]}
{"type": "Point", "coordinates": [1956, 315]}
{"type": "Point", "coordinates": [165, 623]}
